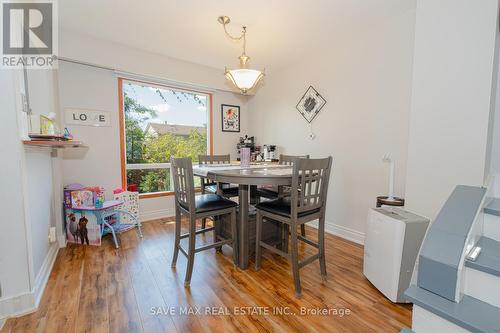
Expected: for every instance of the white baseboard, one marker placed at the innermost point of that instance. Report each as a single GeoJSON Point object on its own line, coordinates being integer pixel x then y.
{"type": "Point", "coordinates": [2, 322]}
{"type": "Point", "coordinates": [17, 305]}
{"type": "Point", "coordinates": [344, 232]}
{"type": "Point", "coordinates": [341, 231]}
{"type": "Point", "coordinates": [44, 274]}
{"type": "Point", "coordinates": [61, 239]}
{"type": "Point", "coordinates": [156, 214]}
{"type": "Point", "coordinates": [28, 302]}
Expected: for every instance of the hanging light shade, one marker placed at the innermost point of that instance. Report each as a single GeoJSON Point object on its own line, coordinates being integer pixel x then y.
{"type": "Point", "coordinates": [243, 78]}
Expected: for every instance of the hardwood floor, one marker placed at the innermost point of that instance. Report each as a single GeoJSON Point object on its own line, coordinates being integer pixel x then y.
{"type": "Point", "coordinates": [133, 289]}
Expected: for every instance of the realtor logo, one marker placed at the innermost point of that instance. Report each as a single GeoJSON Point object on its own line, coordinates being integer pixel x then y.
{"type": "Point", "coordinates": [29, 33]}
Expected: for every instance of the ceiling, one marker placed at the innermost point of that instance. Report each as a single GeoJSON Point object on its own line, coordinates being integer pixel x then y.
{"type": "Point", "coordinates": [280, 32]}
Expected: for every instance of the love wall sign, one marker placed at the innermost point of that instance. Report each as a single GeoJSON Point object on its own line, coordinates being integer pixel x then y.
{"type": "Point", "coordinates": [87, 117]}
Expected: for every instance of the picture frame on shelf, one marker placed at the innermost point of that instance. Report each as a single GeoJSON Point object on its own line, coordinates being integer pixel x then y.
{"type": "Point", "coordinates": [230, 115]}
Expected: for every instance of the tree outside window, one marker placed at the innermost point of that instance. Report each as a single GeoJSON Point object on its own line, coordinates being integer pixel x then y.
{"type": "Point", "coordinates": [160, 123]}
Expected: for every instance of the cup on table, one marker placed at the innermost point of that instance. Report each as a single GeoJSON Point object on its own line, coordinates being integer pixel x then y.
{"type": "Point", "coordinates": [245, 157]}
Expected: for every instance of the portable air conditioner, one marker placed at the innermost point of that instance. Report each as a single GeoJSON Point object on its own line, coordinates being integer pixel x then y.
{"type": "Point", "coordinates": [392, 243]}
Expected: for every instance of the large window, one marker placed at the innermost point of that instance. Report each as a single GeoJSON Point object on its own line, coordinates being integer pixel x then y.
{"type": "Point", "coordinates": [159, 122]}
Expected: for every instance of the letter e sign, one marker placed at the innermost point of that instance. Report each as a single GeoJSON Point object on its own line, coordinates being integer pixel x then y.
{"type": "Point", "coordinates": [87, 117]}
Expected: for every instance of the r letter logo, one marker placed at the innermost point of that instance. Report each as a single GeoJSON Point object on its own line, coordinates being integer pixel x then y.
{"type": "Point", "coordinates": [29, 34]}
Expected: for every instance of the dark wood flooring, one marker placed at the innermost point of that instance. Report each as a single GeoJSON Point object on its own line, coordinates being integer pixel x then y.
{"type": "Point", "coordinates": [133, 289]}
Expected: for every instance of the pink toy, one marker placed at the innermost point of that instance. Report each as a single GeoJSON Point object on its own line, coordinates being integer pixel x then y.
{"type": "Point", "coordinates": [117, 190]}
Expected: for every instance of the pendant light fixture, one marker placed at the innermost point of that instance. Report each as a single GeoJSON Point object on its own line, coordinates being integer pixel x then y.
{"type": "Point", "coordinates": [243, 78]}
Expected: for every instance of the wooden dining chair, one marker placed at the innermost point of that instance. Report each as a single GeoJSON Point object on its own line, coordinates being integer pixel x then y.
{"type": "Point", "coordinates": [306, 203]}
{"type": "Point", "coordinates": [197, 207]}
{"type": "Point", "coordinates": [208, 186]}
{"type": "Point", "coordinates": [273, 193]}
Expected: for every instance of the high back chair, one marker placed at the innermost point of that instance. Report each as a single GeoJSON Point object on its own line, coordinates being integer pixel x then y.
{"type": "Point", "coordinates": [197, 207]}
{"type": "Point", "coordinates": [289, 159]}
{"type": "Point", "coordinates": [273, 192]}
{"type": "Point", "coordinates": [214, 159]}
{"type": "Point", "coordinates": [207, 186]}
{"type": "Point", "coordinates": [306, 203]}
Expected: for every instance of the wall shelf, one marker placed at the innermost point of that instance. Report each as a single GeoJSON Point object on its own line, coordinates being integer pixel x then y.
{"type": "Point", "coordinates": [54, 144]}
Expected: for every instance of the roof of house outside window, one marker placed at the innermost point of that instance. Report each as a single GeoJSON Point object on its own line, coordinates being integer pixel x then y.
{"type": "Point", "coordinates": [165, 128]}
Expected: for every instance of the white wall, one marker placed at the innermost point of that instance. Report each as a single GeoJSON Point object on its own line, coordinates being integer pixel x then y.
{"type": "Point", "coordinates": [495, 124]}
{"type": "Point", "coordinates": [120, 57]}
{"type": "Point", "coordinates": [451, 99]}
{"type": "Point", "coordinates": [26, 196]}
{"type": "Point", "coordinates": [14, 268]}
{"type": "Point", "coordinates": [39, 202]}
{"type": "Point", "coordinates": [366, 82]}
{"type": "Point", "coordinates": [86, 87]}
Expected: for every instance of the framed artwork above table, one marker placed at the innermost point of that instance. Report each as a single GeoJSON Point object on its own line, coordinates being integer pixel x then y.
{"type": "Point", "coordinates": [230, 118]}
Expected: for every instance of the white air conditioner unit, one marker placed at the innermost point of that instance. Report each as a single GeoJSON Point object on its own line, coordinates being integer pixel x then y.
{"type": "Point", "coordinates": [392, 243]}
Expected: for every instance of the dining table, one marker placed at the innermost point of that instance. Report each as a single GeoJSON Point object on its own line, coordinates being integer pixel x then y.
{"type": "Point", "coordinates": [248, 178]}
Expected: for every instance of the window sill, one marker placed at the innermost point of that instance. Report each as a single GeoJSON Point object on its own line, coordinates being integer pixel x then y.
{"type": "Point", "coordinates": [156, 195]}
{"type": "Point", "coordinates": [161, 194]}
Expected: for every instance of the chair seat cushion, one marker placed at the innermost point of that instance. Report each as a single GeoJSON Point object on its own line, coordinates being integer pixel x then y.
{"type": "Point", "coordinates": [282, 207]}
{"type": "Point", "coordinates": [209, 202]}
{"type": "Point", "coordinates": [227, 190]}
{"type": "Point", "coordinates": [267, 192]}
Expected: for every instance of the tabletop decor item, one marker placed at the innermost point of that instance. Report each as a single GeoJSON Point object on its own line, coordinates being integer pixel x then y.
{"type": "Point", "coordinates": [310, 104]}
{"type": "Point", "coordinates": [230, 118]}
{"type": "Point", "coordinates": [245, 157]}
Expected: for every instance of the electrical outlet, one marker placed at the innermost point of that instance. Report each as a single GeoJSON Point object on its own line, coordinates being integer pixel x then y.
{"type": "Point", "coordinates": [52, 234]}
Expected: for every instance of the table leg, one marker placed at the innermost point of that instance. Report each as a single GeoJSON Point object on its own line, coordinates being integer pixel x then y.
{"type": "Point", "coordinates": [253, 195]}
{"type": "Point", "coordinates": [243, 239]}
{"type": "Point", "coordinates": [219, 188]}
{"type": "Point", "coordinates": [280, 191]}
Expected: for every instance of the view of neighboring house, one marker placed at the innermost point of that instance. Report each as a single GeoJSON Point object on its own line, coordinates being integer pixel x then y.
{"type": "Point", "coordinates": [156, 129]}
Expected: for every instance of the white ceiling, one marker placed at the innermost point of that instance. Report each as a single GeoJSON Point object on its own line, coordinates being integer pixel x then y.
{"type": "Point", "coordinates": [280, 32]}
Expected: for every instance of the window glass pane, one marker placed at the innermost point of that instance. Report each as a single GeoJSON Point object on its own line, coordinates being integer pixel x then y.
{"type": "Point", "coordinates": [150, 180]}
{"type": "Point", "coordinates": [153, 180]}
{"type": "Point", "coordinates": [160, 123]}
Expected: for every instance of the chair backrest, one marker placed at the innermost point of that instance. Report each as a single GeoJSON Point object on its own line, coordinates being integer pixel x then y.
{"type": "Point", "coordinates": [182, 174]}
{"type": "Point", "coordinates": [310, 184]}
{"type": "Point", "coordinates": [288, 159]}
{"type": "Point", "coordinates": [214, 159]}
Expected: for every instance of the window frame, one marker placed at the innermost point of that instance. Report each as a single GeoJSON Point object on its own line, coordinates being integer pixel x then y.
{"type": "Point", "coordinates": [121, 111]}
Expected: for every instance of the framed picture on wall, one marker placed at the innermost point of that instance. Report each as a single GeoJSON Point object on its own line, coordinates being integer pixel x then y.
{"type": "Point", "coordinates": [310, 104]}
{"type": "Point", "coordinates": [230, 118]}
